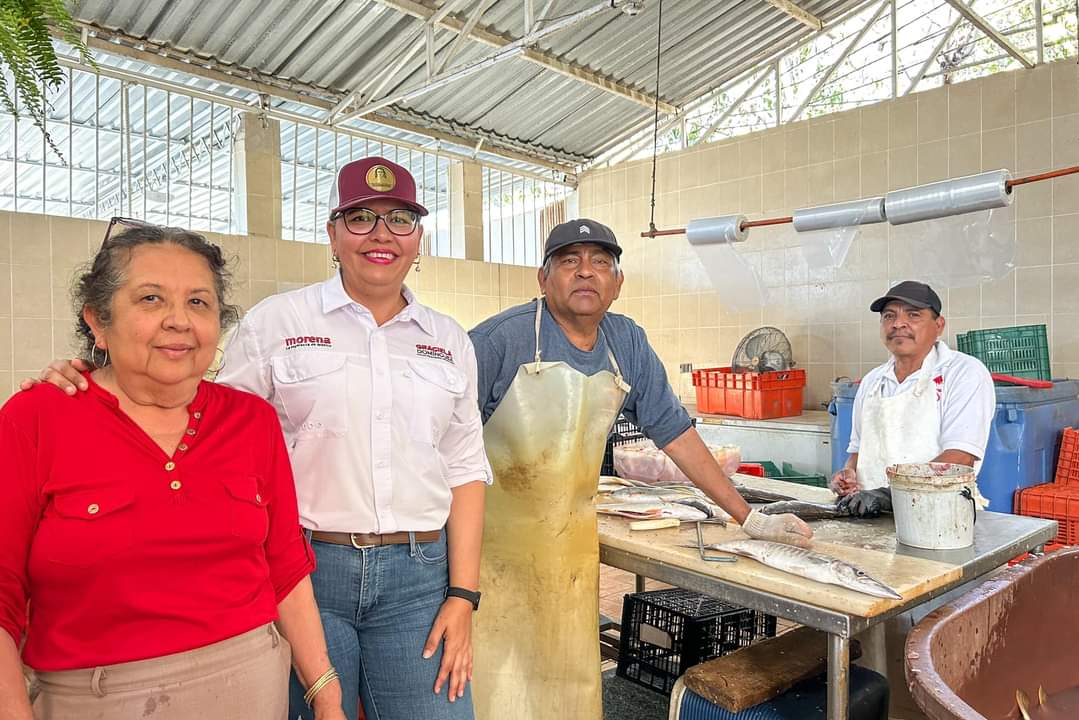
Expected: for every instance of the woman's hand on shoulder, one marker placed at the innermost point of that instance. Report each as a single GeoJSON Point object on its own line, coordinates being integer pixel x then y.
{"type": "Point", "coordinates": [64, 374]}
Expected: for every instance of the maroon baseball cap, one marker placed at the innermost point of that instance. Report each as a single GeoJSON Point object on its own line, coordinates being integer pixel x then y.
{"type": "Point", "coordinates": [373, 178]}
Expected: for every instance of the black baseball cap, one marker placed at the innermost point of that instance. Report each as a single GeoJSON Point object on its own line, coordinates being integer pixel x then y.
{"type": "Point", "coordinates": [913, 293]}
{"type": "Point", "coordinates": [580, 231]}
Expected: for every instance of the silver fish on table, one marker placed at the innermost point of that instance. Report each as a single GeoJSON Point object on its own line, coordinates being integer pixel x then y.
{"type": "Point", "coordinates": [808, 564]}
{"type": "Point", "coordinates": [646, 511]}
{"type": "Point", "coordinates": [685, 509]}
{"type": "Point", "coordinates": [654, 494]}
{"type": "Point", "coordinates": [753, 495]}
{"type": "Point", "coordinates": [806, 510]}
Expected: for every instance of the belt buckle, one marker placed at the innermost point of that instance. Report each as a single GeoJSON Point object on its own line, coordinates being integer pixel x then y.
{"type": "Point", "coordinates": [358, 546]}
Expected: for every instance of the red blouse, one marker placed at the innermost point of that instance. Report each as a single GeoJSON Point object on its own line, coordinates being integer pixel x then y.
{"type": "Point", "coordinates": [125, 553]}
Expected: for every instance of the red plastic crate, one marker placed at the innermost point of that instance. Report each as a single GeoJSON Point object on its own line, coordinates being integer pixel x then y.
{"type": "Point", "coordinates": [1053, 502]}
{"type": "Point", "coordinates": [1068, 460]}
{"type": "Point", "coordinates": [757, 396]}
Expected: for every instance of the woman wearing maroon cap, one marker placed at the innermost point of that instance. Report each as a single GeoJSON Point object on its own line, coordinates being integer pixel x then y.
{"type": "Point", "coordinates": [377, 397]}
{"type": "Point", "coordinates": [151, 523]}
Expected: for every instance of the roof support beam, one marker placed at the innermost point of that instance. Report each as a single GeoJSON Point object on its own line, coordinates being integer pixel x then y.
{"type": "Point", "coordinates": [135, 78]}
{"type": "Point", "coordinates": [803, 16]}
{"type": "Point", "coordinates": [403, 51]}
{"type": "Point", "coordinates": [466, 31]}
{"type": "Point", "coordinates": [982, 24]}
{"type": "Point", "coordinates": [505, 52]}
{"type": "Point", "coordinates": [163, 56]}
{"type": "Point", "coordinates": [704, 136]}
{"type": "Point", "coordinates": [488, 36]}
{"type": "Point", "coordinates": [935, 54]}
{"type": "Point", "coordinates": [851, 47]}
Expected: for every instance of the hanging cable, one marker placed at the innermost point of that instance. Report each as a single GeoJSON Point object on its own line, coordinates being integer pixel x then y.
{"type": "Point", "coordinates": [655, 121]}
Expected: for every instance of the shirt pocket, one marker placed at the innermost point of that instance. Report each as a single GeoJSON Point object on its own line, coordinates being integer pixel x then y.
{"type": "Point", "coordinates": [89, 526]}
{"type": "Point", "coordinates": [248, 519]}
{"type": "Point", "coordinates": [312, 388]}
{"type": "Point", "coordinates": [436, 388]}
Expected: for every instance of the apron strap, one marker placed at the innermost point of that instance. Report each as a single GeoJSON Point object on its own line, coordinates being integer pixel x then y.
{"type": "Point", "coordinates": [618, 379]}
{"type": "Point", "coordinates": [928, 365]}
{"type": "Point", "coordinates": [539, 316]}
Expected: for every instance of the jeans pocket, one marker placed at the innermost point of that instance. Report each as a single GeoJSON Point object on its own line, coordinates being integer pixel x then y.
{"type": "Point", "coordinates": [432, 553]}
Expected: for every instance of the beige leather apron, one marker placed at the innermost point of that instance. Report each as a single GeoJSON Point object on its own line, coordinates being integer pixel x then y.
{"type": "Point", "coordinates": [536, 637]}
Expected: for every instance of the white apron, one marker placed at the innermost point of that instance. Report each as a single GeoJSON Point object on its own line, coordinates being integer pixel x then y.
{"type": "Point", "coordinates": [536, 637]}
{"type": "Point", "coordinates": [899, 429]}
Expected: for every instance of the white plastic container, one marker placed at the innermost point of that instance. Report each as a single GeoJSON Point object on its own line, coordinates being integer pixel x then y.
{"type": "Point", "coordinates": [933, 504]}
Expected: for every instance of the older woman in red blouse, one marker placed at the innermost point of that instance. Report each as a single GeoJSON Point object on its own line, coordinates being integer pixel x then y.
{"type": "Point", "coordinates": [151, 523]}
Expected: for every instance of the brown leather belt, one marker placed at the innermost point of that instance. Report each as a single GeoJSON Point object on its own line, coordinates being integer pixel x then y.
{"type": "Point", "coordinates": [362, 540]}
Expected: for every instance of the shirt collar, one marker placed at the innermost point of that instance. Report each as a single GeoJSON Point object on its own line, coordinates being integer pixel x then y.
{"type": "Point", "coordinates": [943, 356]}
{"type": "Point", "coordinates": [334, 297]}
{"type": "Point", "coordinates": [197, 404]}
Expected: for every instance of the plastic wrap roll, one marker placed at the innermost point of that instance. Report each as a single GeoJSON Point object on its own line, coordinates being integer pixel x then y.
{"type": "Point", "coordinates": [845, 214]}
{"type": "Point", "coordinates": [949, 197]}
{"type": "Point", "coordinates": [709, 231]}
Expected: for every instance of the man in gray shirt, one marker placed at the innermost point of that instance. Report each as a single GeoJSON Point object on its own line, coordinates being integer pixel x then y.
{"type": "Point", "coordinates": [579, 280]}
{"type": "Point", "coordinates": [553, 376]}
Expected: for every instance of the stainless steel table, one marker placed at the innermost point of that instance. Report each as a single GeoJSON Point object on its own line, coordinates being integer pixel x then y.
{"type": "Point", "coordinates": [998, 539]}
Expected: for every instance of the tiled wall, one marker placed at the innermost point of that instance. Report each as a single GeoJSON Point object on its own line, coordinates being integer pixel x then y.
{"type": "Point", "coordinates": [40, 255]}
{"type": "Point", "coordinates": [1026, 121]}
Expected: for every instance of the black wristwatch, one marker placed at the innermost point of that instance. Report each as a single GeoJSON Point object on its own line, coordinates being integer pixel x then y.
{"type": "Point", "coordinates": [472, 596]}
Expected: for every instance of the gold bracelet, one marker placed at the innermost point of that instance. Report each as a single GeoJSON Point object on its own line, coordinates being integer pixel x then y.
{"type": "Point", "coordinates": [326, 678]}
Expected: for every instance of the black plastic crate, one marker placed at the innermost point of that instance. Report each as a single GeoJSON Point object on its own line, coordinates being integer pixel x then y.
{"type": "Point", "coordinates": [665, 632]}
{"type": "Point", "coordinates": [623, 433]}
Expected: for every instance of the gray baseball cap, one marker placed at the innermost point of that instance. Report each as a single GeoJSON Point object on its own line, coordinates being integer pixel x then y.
{"type": "Point", "coordinates": [580, 231]}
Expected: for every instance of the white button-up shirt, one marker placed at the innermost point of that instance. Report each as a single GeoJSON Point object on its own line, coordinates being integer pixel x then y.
{"type": "Point", "coordinates": [381, 422]}
{"type": "Point", "coordinates": [966, 400]}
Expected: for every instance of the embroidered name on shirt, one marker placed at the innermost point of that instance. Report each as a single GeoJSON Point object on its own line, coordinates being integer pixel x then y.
{"type": "Point", "coordinates": [433, 351]}
{"type": "Point", "coordinates": [307, 341]}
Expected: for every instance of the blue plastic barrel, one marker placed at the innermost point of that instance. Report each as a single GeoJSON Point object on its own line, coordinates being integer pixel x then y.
{"type": "Point", "coordinates": [1023, 440]}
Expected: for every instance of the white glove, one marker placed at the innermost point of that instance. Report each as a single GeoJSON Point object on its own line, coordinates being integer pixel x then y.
{"type": "Point", "coordinates": [786, 528]}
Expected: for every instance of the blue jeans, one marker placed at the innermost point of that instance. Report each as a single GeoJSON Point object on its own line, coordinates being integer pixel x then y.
{"type": "Point", "coordinates": [377, 607]}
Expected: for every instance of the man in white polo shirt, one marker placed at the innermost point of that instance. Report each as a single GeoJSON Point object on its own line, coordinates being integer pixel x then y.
{"type": "Point", "coordinates": [926, 403]}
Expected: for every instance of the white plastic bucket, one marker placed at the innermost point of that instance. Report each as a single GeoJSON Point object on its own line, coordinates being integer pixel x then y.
{"type": "Point", "coordinates": [933, 504]}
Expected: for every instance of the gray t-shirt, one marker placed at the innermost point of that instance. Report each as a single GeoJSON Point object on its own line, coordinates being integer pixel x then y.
{"type": "Point", "coordinates": [506, 341]}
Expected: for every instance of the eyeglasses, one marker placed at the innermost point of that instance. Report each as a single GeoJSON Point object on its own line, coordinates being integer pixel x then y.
{"type": "Point", "coordinates": [361, 221]}
{"type": "Point", "coordinates": [125, 222]}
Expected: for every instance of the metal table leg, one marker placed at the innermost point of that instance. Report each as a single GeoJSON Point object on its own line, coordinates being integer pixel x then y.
{"type": "Point", "coordinates": [838, 677]}
{"type": "Point", "coordinates": [639, 579]}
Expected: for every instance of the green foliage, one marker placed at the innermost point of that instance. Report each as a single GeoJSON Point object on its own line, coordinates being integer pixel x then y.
{"type": "Point", "coordinates": [28, 56]}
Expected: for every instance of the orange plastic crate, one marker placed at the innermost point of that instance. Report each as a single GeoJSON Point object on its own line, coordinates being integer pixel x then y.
{"type": "Point", "coordinates": [1068, 460]}
{"type": "Point", "coordinates": [1053, 502]}
{"type": "Point", "coordinates": [757, 396]}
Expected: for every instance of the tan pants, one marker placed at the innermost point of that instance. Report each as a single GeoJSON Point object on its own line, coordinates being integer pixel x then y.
{"type": "Point", "coordinates": [242, 678]}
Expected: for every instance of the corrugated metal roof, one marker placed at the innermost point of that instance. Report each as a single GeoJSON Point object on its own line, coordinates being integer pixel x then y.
{"type": "Point", "coordinates": [337, 44]}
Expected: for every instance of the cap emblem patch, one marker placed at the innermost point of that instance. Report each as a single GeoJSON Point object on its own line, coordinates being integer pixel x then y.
{"type": "Point", "coordinates": [583, 230]}
{"type": "Point", "coordinates": [380, 178]}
